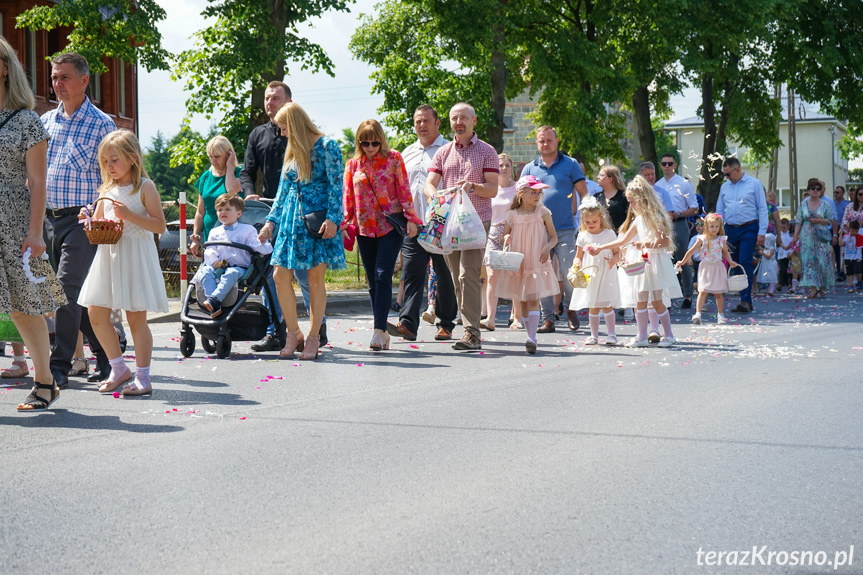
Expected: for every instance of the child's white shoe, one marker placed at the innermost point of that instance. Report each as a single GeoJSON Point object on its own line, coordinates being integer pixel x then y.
{"type": "Point", "coordinates": [721, 319]}
{"type": "Point", "coordinates": [591, 341]}
{"type": "Point", "coordinates": [611, 340]}
{"type": "Point", "coordinates": [667, 341]}
{"type": "Point", "coordinates": [635, 342]}
{"type": "Point", "coordinates": [696, 319]}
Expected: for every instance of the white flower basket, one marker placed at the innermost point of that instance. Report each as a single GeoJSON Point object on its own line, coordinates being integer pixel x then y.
{"type": "Point", "coordinates": [737, 282]}
{"type": "Point", "coordinates": [504, 260]}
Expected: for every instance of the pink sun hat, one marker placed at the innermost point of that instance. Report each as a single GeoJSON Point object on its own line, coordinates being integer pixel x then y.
{"type": "Point", "coordinates": [530, 182]}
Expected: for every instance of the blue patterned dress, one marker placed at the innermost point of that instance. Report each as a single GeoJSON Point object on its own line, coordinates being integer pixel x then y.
{"type": "Point", "coordinates": [294, 248]}
{"type": "Point", "coordinates": [816, 255]}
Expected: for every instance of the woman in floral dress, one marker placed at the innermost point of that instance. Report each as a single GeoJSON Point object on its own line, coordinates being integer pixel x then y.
{"type": "Point", "coordinates": [311, 181]}
{"type": "Point", "coordinates": [815, 253]}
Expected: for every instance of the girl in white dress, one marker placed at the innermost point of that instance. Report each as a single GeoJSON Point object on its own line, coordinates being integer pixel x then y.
{"type": "Point", "coordinates": [653, 227]}
{"type": "Point", "coordinates": [126, 275]}
{"type": "Point", "coordinates": [603, 289]}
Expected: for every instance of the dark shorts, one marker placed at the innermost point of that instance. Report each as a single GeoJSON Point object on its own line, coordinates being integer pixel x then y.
{"type": "Point", "coordinates": [853, 267]}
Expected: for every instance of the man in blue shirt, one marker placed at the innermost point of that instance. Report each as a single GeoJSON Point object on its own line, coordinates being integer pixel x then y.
{"type": "Point", "coordinates": [566, 185]}
{"type": "Point", "coordinates": [742, 204]}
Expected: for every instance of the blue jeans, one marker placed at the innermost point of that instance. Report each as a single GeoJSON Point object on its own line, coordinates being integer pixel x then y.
{"type": "Point", "coordinates": [564, 252]}
{"type": "Point", "coordinates": [206, 275]}
{"type": "Point", "coordinates": [302, 279]}
{"type": "Point", "coordinates": [379, 260]}
{"type": "Point", "coordinates": [741, 245]}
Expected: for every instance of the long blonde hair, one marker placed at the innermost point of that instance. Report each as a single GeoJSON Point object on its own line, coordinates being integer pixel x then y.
{"type": "Point", "coordinates": [650, 209]}
{"type": "Point", "coordinates": [713, 218]}
{"type": "Point", "coordinates": [127, 147]}
{"type": "Point", "coordinates": [302, 135]}
{"type": "Point", "coordinates": [19, 96]}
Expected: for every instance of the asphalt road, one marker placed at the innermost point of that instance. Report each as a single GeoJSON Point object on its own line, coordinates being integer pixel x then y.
{"type": "Point", "coordinates": [425, 460]}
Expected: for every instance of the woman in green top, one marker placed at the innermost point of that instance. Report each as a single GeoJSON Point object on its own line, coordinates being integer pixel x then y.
{"type": "Point", "coordinates": [222, 177]}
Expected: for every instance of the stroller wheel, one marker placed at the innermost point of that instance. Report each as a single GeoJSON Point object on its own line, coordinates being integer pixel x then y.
{"type": "Point", "coordinates": [223, 346]}
{"type": "Point", "coordinates": [208, 345]}
{"type": "Point", "coordinates": [187, 344]}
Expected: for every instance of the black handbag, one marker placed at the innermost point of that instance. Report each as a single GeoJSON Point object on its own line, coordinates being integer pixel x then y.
{"type": "Point", "coordinates": [398, 220]}
{"type": "Point", "coordinates": [312, 220]}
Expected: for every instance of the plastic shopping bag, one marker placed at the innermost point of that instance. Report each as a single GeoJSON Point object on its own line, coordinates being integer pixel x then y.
{"type": "Point", "coordinates": [8, 331]}
{"type": "Point", "coordinates": [430, 236]}
{"type": "Point", "coordinates": [464, 229]}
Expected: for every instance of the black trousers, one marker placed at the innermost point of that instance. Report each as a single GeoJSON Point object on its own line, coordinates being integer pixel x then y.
{"type": "Point", "coordinates": [71, 255]}
{"type": "Point", "coordinates": [415, 261]}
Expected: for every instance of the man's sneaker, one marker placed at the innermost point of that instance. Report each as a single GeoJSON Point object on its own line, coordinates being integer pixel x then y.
{"type": "Point", "coordinates": [269, 343]}
{"type": "Point", "coordinates": [469, 342]}
{"type": "Point", "coordinates": [591, 341]}
{"type": "Point", "coordinates": [530, 346]}
{"type": "Point", "coordinates": [696, 319]}
{"type": "Point", "coordinates": [667, 341]}
{"type": "Point", "coordinates": [637, 343]}
{"type": "Point", "coordinates": [653, 337]}
{"type": "Point", "coordinates": [611, 340]}
{"type": "Point", "coordinates": [687, 303]}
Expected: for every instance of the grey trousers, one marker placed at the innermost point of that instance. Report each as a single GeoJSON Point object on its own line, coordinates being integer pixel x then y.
{"type": "Point", "coordinates": [71, 255]}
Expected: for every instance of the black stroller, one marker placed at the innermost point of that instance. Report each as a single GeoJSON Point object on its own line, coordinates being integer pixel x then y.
{"type": "Point", "coordinates": [241, 319]}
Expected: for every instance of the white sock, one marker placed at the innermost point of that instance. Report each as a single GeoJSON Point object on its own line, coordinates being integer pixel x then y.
{"type": "Point", "coordinates": [142, 377]}
{"type": "Point", "coordinates": [593, 321]}
{"type": "Point", "coordinates": [531, 323]}
{"type": "Point", "coordinates": [654, 319]}
{"type": "Point", "coordinates": [118, 368]}
{"type": "Point", "coordinates": [609, 322]}
{"type": "Point", "coordinates": [666, 323]}
{"type": "Point", "coordinates": [19, 358]}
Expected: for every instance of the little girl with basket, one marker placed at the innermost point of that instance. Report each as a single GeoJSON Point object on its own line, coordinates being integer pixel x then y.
{"type": "Point", "coordinates": [603, 290]}
{"type": "Point", "coordinates": [529, 230]}
{"type": "Point", "coordinates": [126, 275]}
{"type": "Point", "coordinates": [712, 245]}
{"type": "Point", "coordinates": [650, 234]}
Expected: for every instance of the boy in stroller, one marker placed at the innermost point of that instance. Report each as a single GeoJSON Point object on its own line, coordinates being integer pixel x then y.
{"type": "Point", "coordinates": [231, 261]}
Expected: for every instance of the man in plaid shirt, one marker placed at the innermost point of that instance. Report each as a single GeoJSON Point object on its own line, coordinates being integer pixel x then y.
{"type": "Point", "coordinates": [472, 164]}
{"type": "Point", "coordinates": [76, 128]}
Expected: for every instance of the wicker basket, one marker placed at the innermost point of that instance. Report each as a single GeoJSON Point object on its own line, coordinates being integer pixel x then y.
{"type": "Point", "coordinates": [504, 260]}
{"type": "Point", "coordinates": [103, 232]}
{"type": "Point", "coordinates": [579, 278]}
{"type": "Point", "coordinates": [737, 282]}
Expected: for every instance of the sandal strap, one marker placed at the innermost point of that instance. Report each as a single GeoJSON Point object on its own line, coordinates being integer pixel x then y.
{"type": "Point", "coordinates": [44, 385]}
{"type": "Point", "coordinates": [35, 401]}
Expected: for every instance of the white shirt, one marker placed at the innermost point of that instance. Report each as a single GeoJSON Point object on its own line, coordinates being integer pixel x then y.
{"type": "Point", "coordinates": [239, 234]}
{"type": "Point", "coordinates": [680, 191]}
{"type": "Point", "coordinates": [784, 240]}
{"type": "Point", "coordinates": [592, 187]}
{"type": "Point", "coordinates": [417, 162]}
{"type": "Point", "coordinates": [502, 203]}
{"type": "Point", "coordinates": [696, 255]}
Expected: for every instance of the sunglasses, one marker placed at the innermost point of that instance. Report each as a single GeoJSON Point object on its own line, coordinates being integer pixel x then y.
{"type": "Point", "coordinates": [667, 164]}
{"type": "Point", "coordinates": [367, 144]}
{"type": "Point", "coordinates": [815, 188]}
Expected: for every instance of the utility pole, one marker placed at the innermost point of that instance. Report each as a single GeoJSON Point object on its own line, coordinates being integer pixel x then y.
{"type": "Point", "coordinates": [792, 154]}
{"type": "Point", "coordinates": [773, 178]}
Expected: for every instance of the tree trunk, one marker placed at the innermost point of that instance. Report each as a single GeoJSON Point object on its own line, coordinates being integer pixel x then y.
{"type": "Point", "coordinates": [271, 71]}
{"type": "Point", "coordinates": [498, 99]}
{"type": "Point", "coordinates": [643, 127]}
{"type": "Point", "coordinates": [708, 149]}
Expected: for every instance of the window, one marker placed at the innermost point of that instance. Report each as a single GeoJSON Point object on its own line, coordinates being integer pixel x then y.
{"type": "Point", "coordinates": [121, 73]}
{"type": "Point", "coordinates": [96, 88]}
{"type": "Point", "coordinates": [2, 17]}
{"type": "Point", "coordinates": [508, 124]}
{"type": "Point", "coordinates": [31, 59]}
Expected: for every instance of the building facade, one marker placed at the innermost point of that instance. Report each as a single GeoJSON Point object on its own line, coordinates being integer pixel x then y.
{"type": "Point", "coordinates": [115, 92]}
{"type": "Point", "coordinates": [817, 156]}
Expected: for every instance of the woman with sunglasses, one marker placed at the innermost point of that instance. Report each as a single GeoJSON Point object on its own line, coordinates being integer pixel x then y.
{"type": "Point", "coordinates": [376, 186]}
{"type": "Point", "coordinates": [813, 231]}
{"type": "Point", "coordinates": [309, 191]}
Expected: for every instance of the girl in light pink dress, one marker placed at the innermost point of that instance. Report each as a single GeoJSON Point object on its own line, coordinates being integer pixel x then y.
{"type": "Point", "coordinates": [529, 230]}
{"type": "Point", "coordinates": [712, 246]}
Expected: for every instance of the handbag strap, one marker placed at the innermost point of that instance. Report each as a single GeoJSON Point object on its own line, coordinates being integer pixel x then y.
{"type": "Point", "coordinates": [12, 115]}
{"type": "Point", "coordinates": [374, 193]}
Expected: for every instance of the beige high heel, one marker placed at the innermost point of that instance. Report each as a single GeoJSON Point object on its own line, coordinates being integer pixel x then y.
{"type": "Point", "coordinates": [313, 344]}
{"type": "Point", "coordinates": [377, 342]}
{"type": "Point", "coordinates": [294, 341]}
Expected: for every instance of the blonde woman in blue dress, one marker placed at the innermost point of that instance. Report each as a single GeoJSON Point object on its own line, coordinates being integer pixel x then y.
{"type": "Point", "coordinates": [126, 275]}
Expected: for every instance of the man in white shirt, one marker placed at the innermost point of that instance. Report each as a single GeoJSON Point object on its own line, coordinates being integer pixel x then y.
{"type": "Point", "coordinates": [684, 204]}
{"type": "Point", "coordinates": [418, 157]}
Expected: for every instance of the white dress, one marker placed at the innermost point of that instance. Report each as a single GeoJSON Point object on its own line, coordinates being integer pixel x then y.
{"type": "Point", "coordinates": [768, 268]}
{"type": "Point", "coordinates": [659, 281]}
{"type": "Point", "coordinates": [603, 289]}
{"type": "Point", "coordinates": [126, 275]}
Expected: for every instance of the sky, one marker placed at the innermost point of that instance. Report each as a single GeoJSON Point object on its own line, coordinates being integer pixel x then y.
{"type": "Point", "coordinates": [333, 103]}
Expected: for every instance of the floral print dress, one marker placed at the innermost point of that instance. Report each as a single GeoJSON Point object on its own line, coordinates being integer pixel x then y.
{"type": "Point", "coordinates": [294, 248]}
{"type": "Point", "coordinates": [817, 256]}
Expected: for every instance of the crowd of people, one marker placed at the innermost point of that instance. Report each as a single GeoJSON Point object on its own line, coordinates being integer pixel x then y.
{"type": "Point", "coordinates": [633, 247]}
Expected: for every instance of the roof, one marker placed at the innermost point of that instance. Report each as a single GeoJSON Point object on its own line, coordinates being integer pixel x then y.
{"type": "Point", "coordinates": [804, 114]}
